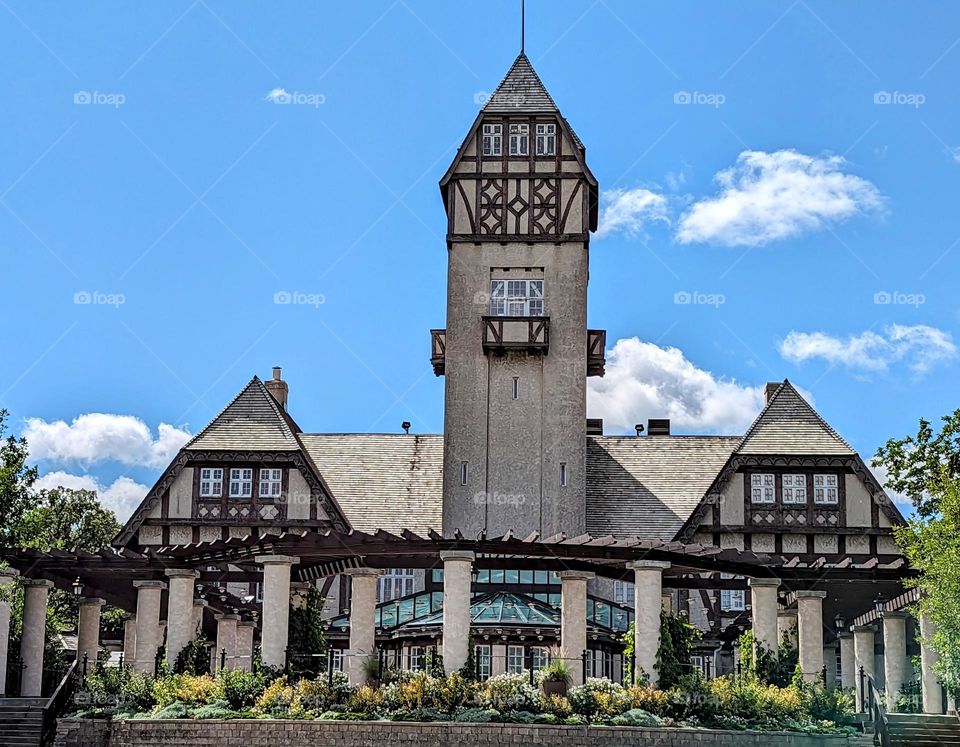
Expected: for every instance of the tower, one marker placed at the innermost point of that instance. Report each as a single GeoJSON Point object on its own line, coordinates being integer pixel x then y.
{"type": "Point", "coordinates": [520, 203]}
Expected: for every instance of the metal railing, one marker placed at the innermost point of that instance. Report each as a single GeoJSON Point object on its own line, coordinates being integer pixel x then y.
{"type": "Point", "coordinates": [875, 708]}
{"type": "Point", "coordinates": [57, 703]}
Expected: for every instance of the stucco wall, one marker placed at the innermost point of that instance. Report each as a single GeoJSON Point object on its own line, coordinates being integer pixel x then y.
{"type": "Point", "coordinates": [142, 733]}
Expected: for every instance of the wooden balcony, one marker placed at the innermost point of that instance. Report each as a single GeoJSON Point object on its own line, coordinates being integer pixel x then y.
{"type": "Point", "coordinates": [596, 356]}
{"type": "Point", "coordinates": [531, 333]}
{"type": "Point", "coordinates": [438, 350]}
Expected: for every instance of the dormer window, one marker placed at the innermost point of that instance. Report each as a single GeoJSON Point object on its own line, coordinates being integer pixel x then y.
{"type": "Point", "coordinates": [763, 488]}
{"type": "Point", "coordinates": [794, 489]}
{"type": "Point", "coordinates": [492, 139]}
{"type": "Point", "coordinates": [825, 489]}
{"type": "Point", "coordinates": [516, 298]}
{"type": "Point", "coordinates": [211, 482]}
{"type": "Point", "coordinates": [271, 483]}
{"type": "Point", "coordinates": [546, 139]}
{"type": "Point", "coordinates": [241, 482]}
{"type": "Point", "coordinates": [519, 139]}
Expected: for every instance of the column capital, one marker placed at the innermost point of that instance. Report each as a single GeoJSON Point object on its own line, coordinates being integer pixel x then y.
{"type": "Point", "coordinates": [766, 582]}
{"type": "Point", "coordinates": [810, 594]}
{"type": "Point", "coordinates": [864, 629]}
{"type": "Point", "coordinates": [361, 572]}
{"type": "Point", "coordinates": [92, 602]}
{"type": "Point", "coordinates": [466, 555]}
{"type": "Point", "coordinates": [893, 615]}
{"type": "Point", "coordinates": [201, 603]}
{"type": "Point", "coordinates": [38, 582]}
{"type": "Point", "coordinates": [8, 573]}
{"type": "Point", "coordinates": [182, 573]}
{"type": "Point", "coordinates": [276, 560]}
{"type": "Point", "coordinates": [786, 613]}
{"type": "Point", "coordinates": [246, 624]}
{"type": "Point", "coordinates": [576, 575]}
{"type": "Point", "coordinates": [643, 565]}
{"type": "Point", "coordinates": [300, 585]}
{"type": "Point", "coordinates": [218, 618]}
{"type": "Point", "coordinates": [845, 634]}
{"type": "Point", "coordinates": [149, 584]}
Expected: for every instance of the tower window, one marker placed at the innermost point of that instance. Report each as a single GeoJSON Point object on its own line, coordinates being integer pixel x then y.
{"type": "Point", "coordinates": [516, 298]}
{"type": "Point", "coordinates": [762, 488]}
{"type": "Point", "coordinates": [464, 475]}
{"type": "Point", "coordinates": [516, 387]}
{"type": "Point", "coordinates": [563, 474]}
{"type": "Point", "coordinates": [211, 482]}
{"type": "Point", "coordinates": [241, 483]}
{"type": "Point", "coordinates": [519, 139]}
{"type": "Point", "coordinates": [271, 483]}
{"type": "Point", "coordinates": [492, 139]}
{"type": "Point", "coordinates": [546, 139]}
{"type": "Point", "coordinates": [825, 489]}
{"type": "Point", "coordinates": [794, 489]}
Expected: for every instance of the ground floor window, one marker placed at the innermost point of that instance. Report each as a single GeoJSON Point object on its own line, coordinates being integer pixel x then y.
{"type": "Point", "coordinates": [514, 659]}
{"type": "Point", "coordinates": [482, 655]}
{"type": "Point", "coordinates": [336, 658]}
{"type": "Point", "coordinates": [415, 658]}
{"type": "Point", "coordinates": [540, 658]}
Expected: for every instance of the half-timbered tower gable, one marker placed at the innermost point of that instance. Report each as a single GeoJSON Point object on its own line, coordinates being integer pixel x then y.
{"type": "Point", "coordinates": [793, 486]}
{"type": "Point", "coordinates": [246, 473]}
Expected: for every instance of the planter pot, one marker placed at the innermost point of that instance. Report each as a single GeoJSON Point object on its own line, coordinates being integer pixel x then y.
{"type": "Point", "coordinates": [554, 687]}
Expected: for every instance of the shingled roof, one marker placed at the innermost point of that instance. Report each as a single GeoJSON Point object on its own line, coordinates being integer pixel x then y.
{"type": "Point", "coordinates": [789, 425]}
{"type": "Point", "coordinates": [521, 90]}
{"type": "Point", "coordinates": [253, 421]}
{"type": "Point", "coordinates": [648, 486]}
{"type": "Point", "coordinates": [382, 481]}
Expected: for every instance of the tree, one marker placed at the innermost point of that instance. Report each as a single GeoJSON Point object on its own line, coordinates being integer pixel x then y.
{"type": "Point", "coordinates": [65, 519]}
{"type": "Point", "coordinates": [16, 481]}
{"type": "Point", "coordinates": [932, 545]}
{"type": "Point", "coordinates": [306, 642]}
{"type": "Point", "coordinates": [920, 466]}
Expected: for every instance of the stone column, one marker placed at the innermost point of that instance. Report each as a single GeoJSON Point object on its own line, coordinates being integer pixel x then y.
{"type": "Point", "coordinates": [35, 594]}
{"type": "Point", "coordinates": [226, 642]}
{"type": "Point", "coordinates": [863, 646]}
{"type": "Point", "coordinates": [88, 633]}
{"type": "Point", "coordinates": [457, 567]}
{"type": "Point", "coordinates": [180, 630]}
{"type": "Point", "coordinates": [930, 683]}
{"type": "Point", "coordinates": [787, 626]}
{"type": "Point", "coordinates": [894, 655]}
{"type": "Point", "coordinates": [129, 639]}
{"type": "Point", "coordinates": [573, 620]}
{"type": "Point", "coordinates": [7, 575]}
{"type": "Point", "coordinates": [848, 666]}
{"type": "Point", "coordinates": [298, 594]}
{"type": "Point", "coordinates": [244, 653]}
{"type": "Point", "coordinates": [763, 607]}
{"type": "Point", "coordinates": [199, 605]}
{"type": "Point", "coordinates": [810, 630]}
{"type": "Point", "coordinates": [276, 607]}
{"type": "Point", "coordinates": [363, 608]}
{"type": "Point", "coordinates": [148, 625]}
{"type": "Point", "coordinates": [830, 664]}
{"type": "Point", "coordinates": [647, 585]}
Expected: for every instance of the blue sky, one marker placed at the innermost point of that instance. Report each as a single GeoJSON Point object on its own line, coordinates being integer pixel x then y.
{"type": "Point", "coordinates": [789, 168]}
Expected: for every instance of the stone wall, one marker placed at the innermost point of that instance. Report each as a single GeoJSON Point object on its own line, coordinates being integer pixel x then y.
{"type": "Point", "coordinates": [146, 733]}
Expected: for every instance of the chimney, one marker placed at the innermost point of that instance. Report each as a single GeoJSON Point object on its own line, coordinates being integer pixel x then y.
{"type": "Point", "coordinates": [278, 388]}
{"type": "Point", "coordinates": [658, 427]}
{"type": "Point", "coordinates": [594, 426]}
{"type": "Point", "coordinates": [771, 389]}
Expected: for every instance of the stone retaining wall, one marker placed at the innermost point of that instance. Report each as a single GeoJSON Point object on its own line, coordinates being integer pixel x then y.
{"type": "Point", "coordinates": [187, 733]}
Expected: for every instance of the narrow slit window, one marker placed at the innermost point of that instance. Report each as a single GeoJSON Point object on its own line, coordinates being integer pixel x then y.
{"type": "Point", "coordinates": [464, 473]}
{"type": "Point", "coordinates": [563, 474]}
{"type": "Point", "coordinates": [516, 387]}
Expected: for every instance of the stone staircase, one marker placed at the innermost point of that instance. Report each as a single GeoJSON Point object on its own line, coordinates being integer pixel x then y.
{"type": "Point", "coordinates": [922, 730]}
{"type": "Point", "coordinates": [21, 721]}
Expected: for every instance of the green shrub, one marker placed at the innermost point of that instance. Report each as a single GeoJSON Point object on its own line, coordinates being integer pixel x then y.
{"type": "Point", "coordinates": [185, 688]}
{"type": "Point", "coordinates": [238, 688]}
{"type": "Point", "coordinates": [219, 709]}
{"type": "Point", "coordinates": [477, 716]}
{"type": "Point", "coordinates": [636, 717]}
{"type": "Point", "coordinates": [275, 700]}
{"type": "Point", "coordinates": [171, 711]}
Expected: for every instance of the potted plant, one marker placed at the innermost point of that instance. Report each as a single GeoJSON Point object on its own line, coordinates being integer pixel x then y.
{"type": "Point", "coordinates": [556, 677]}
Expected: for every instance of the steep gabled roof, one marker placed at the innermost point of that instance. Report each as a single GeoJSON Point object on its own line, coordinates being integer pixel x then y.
{"type": "Point", "coordinates": [521, 90]}
{"type": "Point", "coordinates": [789, 425]}
{"type": "Point", "coordinates": [647, 487]}
{"type": "Point", "coordinates": [253, 421]}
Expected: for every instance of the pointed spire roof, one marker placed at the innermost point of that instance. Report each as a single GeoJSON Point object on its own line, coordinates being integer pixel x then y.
{"type": "Point", "coordinates": [253, 421]}
{"type": "Point", "coordinates": [521, 90]}
{"type": "Point", "coordinates": [789, 425]}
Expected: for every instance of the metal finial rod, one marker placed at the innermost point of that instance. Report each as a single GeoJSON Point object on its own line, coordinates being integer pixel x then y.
{"type": "Point", "coordinates": [523, 25]}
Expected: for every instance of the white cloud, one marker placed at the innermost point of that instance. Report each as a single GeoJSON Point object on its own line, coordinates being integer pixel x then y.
{"type": "Point", "coordinates": [101, 437]}
{"type": "Point", "coordinates": [919, 346]}
{"type": "Point", "coordinates": [629, 210]}
{"type": "Point", "coordinates": [880, 472]}
{"type": "Point", "coordinates": [122, 497]}
{"type": "Point", "coordinates": [778, 195]}
{"type": "Point", "coordinates": [644, 380]}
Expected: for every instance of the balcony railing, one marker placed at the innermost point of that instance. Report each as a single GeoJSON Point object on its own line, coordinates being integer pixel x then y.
{"type": "Point", "coordinates": [596, 345]}
{"type": "Point", "coordinates": [516, 333]}
{"type": "Point", "coordinates": [438, 350]}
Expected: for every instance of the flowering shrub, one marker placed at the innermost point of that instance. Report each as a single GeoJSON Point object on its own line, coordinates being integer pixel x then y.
{"type": "Point", "coordinates": [184, 688]}
{"type": "Point", "coordinates": [509, 692]}
{"type": "Point", "coordinates": [276, 699]}
{"type": "Point", "coordinates": [653, 701]}
{"type": "Point", "coordinates": [599, 696]}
